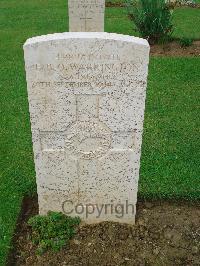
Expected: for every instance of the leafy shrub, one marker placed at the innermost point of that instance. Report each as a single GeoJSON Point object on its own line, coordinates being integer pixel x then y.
{"type": "Point", "coordinates": [153, 18]}
{"type": "Point", "coordinates": [185, 42]}
{"type": "Point", "coordinates": [52, 231]}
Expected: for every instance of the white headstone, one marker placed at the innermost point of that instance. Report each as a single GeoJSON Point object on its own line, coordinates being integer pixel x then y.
{"type": "Point", "coordinates": [86, 15]}
{"type": "Point", "coordinates": [87, 99]}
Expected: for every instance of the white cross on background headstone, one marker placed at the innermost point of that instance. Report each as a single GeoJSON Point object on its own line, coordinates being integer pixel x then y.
{"type": "Point", "coordinates": [86, 19]}
{"type": "Point", "coordinates": [86, 15]}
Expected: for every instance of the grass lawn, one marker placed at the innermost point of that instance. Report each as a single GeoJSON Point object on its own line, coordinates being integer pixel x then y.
{"type": "Point", "coordinates": [186, 22]}
{"type": "Point", "coordinates": [170, 166]}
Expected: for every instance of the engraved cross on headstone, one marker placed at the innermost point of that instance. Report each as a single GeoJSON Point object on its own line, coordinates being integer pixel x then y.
{"type": "Point", "coordinates": [86, 141]}
{"type": "Point", "coordinates": [86, 19]}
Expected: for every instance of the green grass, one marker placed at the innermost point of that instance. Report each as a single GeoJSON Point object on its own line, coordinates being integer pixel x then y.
{"type": "Point", "coordinates": [170, 157]}
{"type": "Point", "coordinates": [117, 21]}
{"type": "Point", "coordinates": [187, 23]}
{"type": "Point", "coordinates": [169, 160]}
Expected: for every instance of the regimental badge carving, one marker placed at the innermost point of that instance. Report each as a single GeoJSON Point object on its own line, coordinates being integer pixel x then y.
{"type": "Point", "coordinates": [88, 140]}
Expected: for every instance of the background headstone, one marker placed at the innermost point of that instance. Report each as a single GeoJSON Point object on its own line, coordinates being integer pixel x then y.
{"type": "Point", "coordinates": [86, 15]}
{"type": "Point", "coordinates": [87, 99]}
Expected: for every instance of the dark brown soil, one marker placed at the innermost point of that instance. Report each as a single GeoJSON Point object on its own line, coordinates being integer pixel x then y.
{"type": "Point", "coordinates": [174, 49]}
{"type": "Point", "coordinates": [165, 234]}
{"type": "Point", "coordinates": [116, 4]}
{"type": "Point", "coordinates": [120, 4]}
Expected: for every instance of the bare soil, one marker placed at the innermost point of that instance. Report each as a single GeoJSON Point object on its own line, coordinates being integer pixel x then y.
{"type": "Point", "coordinates": [166, 233]}
{"type": "Point", "coordinates": [116, 4]}
{"type": "Point", "coordinates": [172, 5]}
{"type": "Point", "coordinates": [174, 49]}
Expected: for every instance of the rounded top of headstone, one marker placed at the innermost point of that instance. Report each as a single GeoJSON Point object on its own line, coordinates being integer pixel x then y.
{"type": "Point", "coordinates": [86, 35]}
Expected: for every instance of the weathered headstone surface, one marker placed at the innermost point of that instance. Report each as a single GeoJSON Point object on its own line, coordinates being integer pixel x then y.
{"type": "Point", "coordinates": [87, 99]}
{"type": "Point", "coordinates": [86, 15]}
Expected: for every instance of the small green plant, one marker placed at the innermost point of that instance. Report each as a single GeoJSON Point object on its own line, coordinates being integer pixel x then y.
{"type": "Point", "coordinates": [185, 42]}
{"type": "Point", "coordinates": [52, 231]}
{"type": "Point", "coordinates": [152, 18]}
